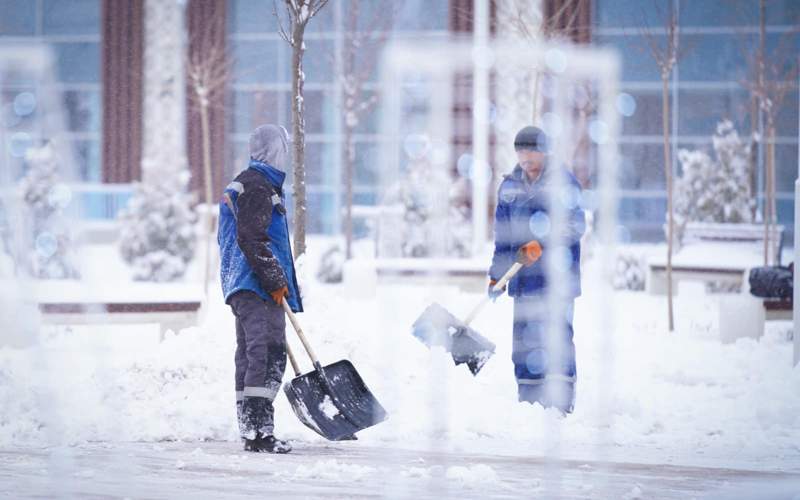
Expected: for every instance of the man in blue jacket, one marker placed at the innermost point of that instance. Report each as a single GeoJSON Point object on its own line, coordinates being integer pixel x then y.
{"type": "Point", "coordinates": [257, 274]}
{"type": "Point", "coordinates": [544, 366]}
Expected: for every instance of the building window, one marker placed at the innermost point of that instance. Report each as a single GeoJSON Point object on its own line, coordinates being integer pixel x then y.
{"type": "Point", "coordinates": [72, 29]}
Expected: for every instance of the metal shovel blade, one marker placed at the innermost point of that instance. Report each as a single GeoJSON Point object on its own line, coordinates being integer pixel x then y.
{"type": "Point", "coordinates": [333, 401]}
{"type": "Point", "coordinates": [435, 327]}
{"type": "Point", "coordinates": [472, 348]}
{"type": "Point", "coordinates": [438, 327]}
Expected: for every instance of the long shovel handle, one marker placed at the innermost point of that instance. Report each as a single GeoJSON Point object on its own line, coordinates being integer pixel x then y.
{"type": "Point", "coordinates": [512, 271]}
{"type": "Point", "coordinates": [292, 360]}
{"type": "Point", "coordinates": [299, 331]}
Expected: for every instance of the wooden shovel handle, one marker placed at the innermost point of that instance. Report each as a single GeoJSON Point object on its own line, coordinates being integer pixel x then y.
{"type": "Point", "coordinates": [299, 331]}
{"type": "Point", "coordinates": [292, 360]}
{"type": "Point", "coordinates": [512, 271]}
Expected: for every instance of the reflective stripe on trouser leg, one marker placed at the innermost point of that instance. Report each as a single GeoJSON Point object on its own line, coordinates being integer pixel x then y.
{"type": "Point", "coordinates": [263, 326]}
{"type": "Point", "coordinates": [537, 371]}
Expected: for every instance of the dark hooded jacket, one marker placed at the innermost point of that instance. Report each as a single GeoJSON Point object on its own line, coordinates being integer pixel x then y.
{"type": "Point", "coordinates": [253, 235]}
{"type": "Point", "coordinates": [522, 215]}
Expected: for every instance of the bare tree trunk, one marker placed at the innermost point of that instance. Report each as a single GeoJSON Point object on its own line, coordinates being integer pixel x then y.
{"type": "Point", "coordinates": [206, 138]}
{"type": "Point", "coordinates": [761, 81]}
{"type": "Point", "coordinates": [668, 176]}
{"type": "Point", "coordinates": [349, 175]}
{"type": "Point", "coordinates": [770, 207]}
{"type": "Point", "coordinates": [299, 136]}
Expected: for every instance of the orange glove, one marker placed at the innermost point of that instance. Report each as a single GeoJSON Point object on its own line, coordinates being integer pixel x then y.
{"type": "Point", "coordinates": [529, 253]}
{"type": "Point", "coordinates": [279, 294]}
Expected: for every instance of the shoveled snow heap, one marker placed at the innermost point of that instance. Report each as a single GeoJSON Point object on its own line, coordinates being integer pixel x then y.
{"type": "Point", "coordinates": [643, 393]}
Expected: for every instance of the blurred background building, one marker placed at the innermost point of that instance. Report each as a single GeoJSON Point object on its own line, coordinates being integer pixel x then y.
{"type": "Point", "coordinates": [99, 46]}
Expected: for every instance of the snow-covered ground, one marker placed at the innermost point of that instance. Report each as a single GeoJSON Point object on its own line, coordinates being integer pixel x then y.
{"type": "Point", "coordinates": [645, 396]}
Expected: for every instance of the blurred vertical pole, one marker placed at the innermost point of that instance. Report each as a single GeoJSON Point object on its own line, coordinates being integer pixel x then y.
{"type": "Point", "coordinates": [164, 115]}
{"type": "Point", "coordinates": [480, 129]}
{"type": "Point", "coordinates": [797, 251]}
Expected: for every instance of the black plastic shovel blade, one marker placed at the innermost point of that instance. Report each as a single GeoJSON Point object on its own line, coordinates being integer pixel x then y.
{"type": "Point", "coordinates": [472, 348]}
{"type": "Point", "coordinates": [334, 403]}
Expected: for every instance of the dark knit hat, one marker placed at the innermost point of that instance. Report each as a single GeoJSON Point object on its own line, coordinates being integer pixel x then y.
{"type": "Point", "coordinates": [531, 139]}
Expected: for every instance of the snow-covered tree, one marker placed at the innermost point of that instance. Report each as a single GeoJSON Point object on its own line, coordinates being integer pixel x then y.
{"type": "Point", "coordinates": [46, 198]}
{"type": "Point", "coordinates": [715, 190]}
{"type": "Point", "coordinates": [298, 13]}
{"type": "Point", "coordinates": [435, 212]}
{"type": "Point", "coordinates": [158, 228]}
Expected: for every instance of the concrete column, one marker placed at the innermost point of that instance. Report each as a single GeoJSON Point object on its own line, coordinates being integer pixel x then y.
{"type": "Point", "coordinates": [164, 144]}
{"type": "Point", "coordinates": [480, 127]}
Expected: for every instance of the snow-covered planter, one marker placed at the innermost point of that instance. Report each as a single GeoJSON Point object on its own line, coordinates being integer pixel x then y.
{"type": "Point", "coordinates": [158, 228]}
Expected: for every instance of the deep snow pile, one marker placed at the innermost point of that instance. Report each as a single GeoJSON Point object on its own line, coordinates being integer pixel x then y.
{"type": "Point", "coordinates": [643, 394]}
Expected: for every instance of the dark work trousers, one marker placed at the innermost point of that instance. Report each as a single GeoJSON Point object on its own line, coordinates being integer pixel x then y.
{"type": "Point", "coordinates": [544, 364]}
{"type": "Point", "coordinates": [260, 361]}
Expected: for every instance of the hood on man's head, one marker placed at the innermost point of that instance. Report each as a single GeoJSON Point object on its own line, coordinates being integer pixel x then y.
{"type": "Point", "coordinates": [270, 144]}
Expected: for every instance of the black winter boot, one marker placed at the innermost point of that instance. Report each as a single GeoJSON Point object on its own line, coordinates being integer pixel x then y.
{"type": "Point", "coordinates": [267, 444]}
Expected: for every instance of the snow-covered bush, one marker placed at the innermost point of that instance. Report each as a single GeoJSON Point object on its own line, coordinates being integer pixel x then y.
{"type": "Point", "coordinates": [715, 190]}
{"type": "Point", "coordinates": [6, 262]}
{"type": "Point", "coordinates": [45, 200]}
{"type": "Point", "coordinates": [331, 265]}
{"type": "Point", "coordinates": [435, 208]}
{"type": "Point", "coordinates": [158, 233]}
{"type": "Point", "coordinates": [629, 273]}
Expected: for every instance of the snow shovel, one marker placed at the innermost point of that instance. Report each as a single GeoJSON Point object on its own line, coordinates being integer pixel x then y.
{"type": "Point", "coordinates": [331, 400]}
{"type": "Point", "coordinates": [437, 327]}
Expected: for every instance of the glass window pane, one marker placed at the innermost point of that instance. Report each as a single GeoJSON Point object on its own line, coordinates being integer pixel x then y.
{"type": "Point", "coordinates": [257, 62]}
{"type": "Point", "coordinates": [642, 166]}
{"type": "Point", "coordinates": [783, 12]}
{"type": "Point", "coordinates": [321, 211]}
{"type": "Point", "coordinates": [251, 109]}
{"type": "Point", "coordinates": [627, 14]}
{"type": "Point", "coordinates": [318, 61]}
{"type": "Point", "coordinates": [637, 61]}
{"type": "Point", "coordinates": [239, 157]}
{"type": "Point", "coordinates": [18, 17]}
{"type": "Point", "coordinates": [87, 154]}
{"type": "Point", "coordinates": [714, 57]}
{"type": "Point", "coordinates": [319, 115]}
{"type": "Point", "coordinates": [699, 111]}
{"type": "Point", "coordinates": [718, 12]}
{"type": "Point", "coordinates": [787, 121]}
{"type": "Point", "coordinates": [72, 17]}
{"type": "Point", "coordinates": [324, 21]}
{"type": "Point", "coordinates": [18, 110]}
{"type": "Point", "coordinates": [319, 162]}
{"type": "Point", "coordinates": [435, 17]}
{"type": "Point", "coordinates": [646, 119]}
{"type": "Point", "coordinates": [369, 121]}
{"type": "Point", "coordinates": [367, 165]}
{"type": "Point", "coordinates": [83, 110]}
{"type": "Point", "coordinates": [251, 16]}
{"type": "Point", "coordinates": [785, 167]}
{"type": "Point", "coordinates": [78, 62]}
{"type": "Point", "coordinates": [643, 217]}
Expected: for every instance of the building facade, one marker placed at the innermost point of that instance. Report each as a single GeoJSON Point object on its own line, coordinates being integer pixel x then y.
{"type": "Point", "coordinates": [100, 48]}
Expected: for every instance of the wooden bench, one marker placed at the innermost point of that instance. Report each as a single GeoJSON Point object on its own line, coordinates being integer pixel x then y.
{"type": "Point", "coordinates": [713, 253]}
{"type": "Point", "coordinates": [744, 315]}
{"type": "Point", "coordinates": [168, 315]}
